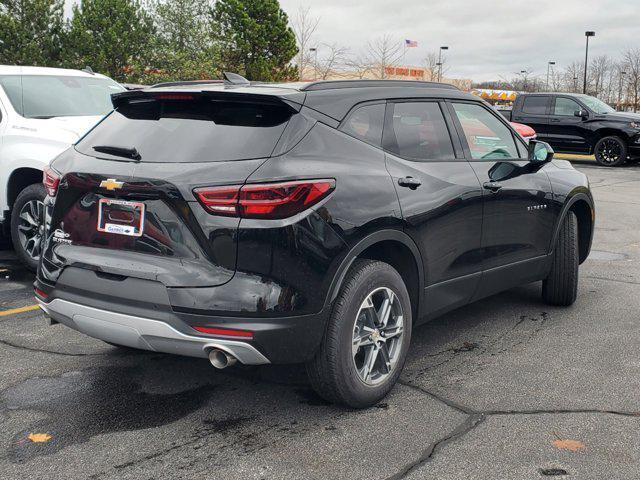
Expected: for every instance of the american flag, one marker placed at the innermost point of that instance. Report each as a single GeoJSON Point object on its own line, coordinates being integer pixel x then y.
{"type": "Point", "coordinates": [410, 43]}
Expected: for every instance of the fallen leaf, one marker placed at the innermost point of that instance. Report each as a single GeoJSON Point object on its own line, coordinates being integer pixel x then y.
{"type": "Point", "coordinates": [39, 437]}
{"type": "Point", "coordinates": [568, 444]}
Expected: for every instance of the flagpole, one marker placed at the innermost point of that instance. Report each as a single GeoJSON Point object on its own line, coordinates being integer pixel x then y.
{"type": "Point", "coordinates": [404, 51]}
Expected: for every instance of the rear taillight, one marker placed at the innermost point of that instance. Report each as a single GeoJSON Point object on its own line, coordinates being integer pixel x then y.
{"type": "Point", "coordinates": [50, 180]}
{"type": "Point", "coordinates": [229, 332]}
{"type": "Point", "coordinates": [265, 200]}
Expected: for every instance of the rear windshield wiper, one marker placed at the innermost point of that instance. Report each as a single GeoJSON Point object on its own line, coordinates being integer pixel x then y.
{"type": "Point", "coordinates": [127, 152]}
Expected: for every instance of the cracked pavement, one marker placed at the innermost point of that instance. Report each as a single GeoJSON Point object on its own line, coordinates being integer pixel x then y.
{"type": "Point", "coordinates": [506, 388]}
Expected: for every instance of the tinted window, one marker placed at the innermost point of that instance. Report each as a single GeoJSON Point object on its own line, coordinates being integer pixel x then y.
{"type": "Point", "coordinates": [366, 123]}
{"type": "Point", "coordinates": [565, 107]}
{"type": "Point", "coordinates": [535, 104]}
{"type": "Point", "coordinates": [487, 137]}
{"type": "Point", "coordinates": [419, 132]}
{"type": "Point", "coordinates": [199, 130]}
{"type": "Point", "coordinates": [47, 96]}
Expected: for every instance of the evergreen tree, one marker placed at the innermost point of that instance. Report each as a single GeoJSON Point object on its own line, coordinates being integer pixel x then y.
{"type": "Point", "coordinates": [183, 48]}
{"type": "Point", "coordinates": [255, 39]}
{"type": "Point", "coordinates": [110, 36]}
{"type": "Point", "coordinates": [31, 32]}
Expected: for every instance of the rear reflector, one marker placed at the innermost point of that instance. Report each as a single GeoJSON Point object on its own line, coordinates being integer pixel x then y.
{"type": "Point", "coordinates": [50, 180]}
{"type": "Point", "coordinates": [228, 332]}
{"type": "Point", "coordinates": [265, 200]}
{"type": "Point", "coordinates": [40, 293]}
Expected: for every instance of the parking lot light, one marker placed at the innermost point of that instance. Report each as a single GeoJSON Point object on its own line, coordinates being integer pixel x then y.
{"type": "Point", "coordinates": [587, 34]}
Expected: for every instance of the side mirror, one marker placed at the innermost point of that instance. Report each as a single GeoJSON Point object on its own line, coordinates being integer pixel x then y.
{"type": "Point", "coordinates": [540, 152]}
{"type": "Point", "coordinates": [581, 113]}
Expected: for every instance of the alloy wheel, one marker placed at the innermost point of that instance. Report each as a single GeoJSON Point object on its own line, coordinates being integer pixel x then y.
{"type": "Point", "coordinates": [377, 336]}
{"type": "Point", "coordinates": [609, 151]}
{"type": "Point", "coordinates": [30, 229]}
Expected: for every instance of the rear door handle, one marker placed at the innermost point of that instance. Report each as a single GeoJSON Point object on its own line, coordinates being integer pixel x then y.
{"type": "Point", "coordinates": [555, 120]}
{"type": "Point", "coordinates": [493, 186]}
{"type": "Point", "coordinates": [409, 182]}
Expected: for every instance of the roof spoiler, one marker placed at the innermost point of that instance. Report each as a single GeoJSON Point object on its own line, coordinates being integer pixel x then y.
{"type": "Point", "coordinates": [123, 98]}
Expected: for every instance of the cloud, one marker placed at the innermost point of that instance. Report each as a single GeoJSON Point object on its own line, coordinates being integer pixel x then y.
{"type": "Point", "coordinates": [487, 39]}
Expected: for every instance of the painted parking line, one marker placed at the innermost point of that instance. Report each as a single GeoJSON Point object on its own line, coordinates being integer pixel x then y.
{"type": "Point", "coordinates": [13, 311]}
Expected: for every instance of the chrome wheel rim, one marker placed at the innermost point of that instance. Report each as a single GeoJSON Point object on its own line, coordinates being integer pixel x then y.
{"type": "Point", "coordinates": [377, 336]}
{"type": "Point", "coordinates": [610, 151]}
{"type": "Point", "coordinates": [30, 229]}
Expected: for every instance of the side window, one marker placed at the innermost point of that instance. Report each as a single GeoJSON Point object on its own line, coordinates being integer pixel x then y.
{"type": "Point", "coordinates": [366, 123]}
{"type": "Point", "coordinates": [535, 104]}
{"type": "Point", "coordinates": [12, 86]}
{"type": "Point", "coordinates": [565, 107]}
{"type": "Point", "coordinates": [488, 138]}
{"type": "Point", "coordinates": [419, 132]}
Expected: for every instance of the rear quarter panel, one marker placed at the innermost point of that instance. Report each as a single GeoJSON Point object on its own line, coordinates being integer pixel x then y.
{"type": "Point", "coordinates": [303, 257]}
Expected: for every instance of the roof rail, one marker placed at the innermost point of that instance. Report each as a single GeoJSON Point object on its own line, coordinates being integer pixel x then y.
{"type": "Point", "coordinates": [186, 83]}
{"type": "Point", "coordinates": [337, 84]}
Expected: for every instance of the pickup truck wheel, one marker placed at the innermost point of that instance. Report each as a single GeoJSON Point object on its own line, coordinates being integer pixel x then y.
{"type": "Point", "coordinates": [26, 228]}
{"type": "Point", "coordinates": [611, 151]}
{"type": "Point", "coordinates": [367, 337]}
{"type": "Point", "coordinates": [561, 286]}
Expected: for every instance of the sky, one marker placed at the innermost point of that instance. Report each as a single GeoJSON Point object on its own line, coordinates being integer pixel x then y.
{"type": "Point", "coordinates": [487, 40]}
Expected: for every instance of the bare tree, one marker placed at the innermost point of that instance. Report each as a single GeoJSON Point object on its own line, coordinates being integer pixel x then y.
{"type": "Point", "coordinates": [599, 71]}
{"type": "Point", "coordinates": [431, 67]}
{"type": "Point", "coordinates": [304, 28]}
{"type": "Point", "coordinates": [359, 66]}
{"type": "Point", "coordinates": [332, 61]}
{"type": "Point", "coordinates": [632, 67]}
{"type": "Point", "coordinates": [383, 52]}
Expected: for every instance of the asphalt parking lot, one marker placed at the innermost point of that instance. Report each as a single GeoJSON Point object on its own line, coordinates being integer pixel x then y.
{"type": "Point", "coordinates": [508, 388]}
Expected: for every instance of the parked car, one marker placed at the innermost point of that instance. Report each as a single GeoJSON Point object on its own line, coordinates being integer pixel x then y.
{"type": "Point", "coordinates": [581, 124]}
{"type": "Point", "coordinates": [525, 131]}
{"type": "Point", "coordinates": [311, 222]}
{"type": "Point", "coordinates": [42, 112]}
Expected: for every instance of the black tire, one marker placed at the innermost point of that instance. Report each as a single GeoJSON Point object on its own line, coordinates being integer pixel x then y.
{"type": "Point", "coordinates": [332, 372]}
{"type": "Point", "coordinates": [561, 286]}
{"type": "Point", "coordinates": [28, 252]}
{"type": "Point", "coordinates": [611, 151]}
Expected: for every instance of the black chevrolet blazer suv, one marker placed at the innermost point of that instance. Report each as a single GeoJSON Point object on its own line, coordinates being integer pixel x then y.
{"type": "Point", "coordinates": [289, 223]}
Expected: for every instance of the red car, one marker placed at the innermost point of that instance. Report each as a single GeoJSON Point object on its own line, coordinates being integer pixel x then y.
{"type": "Point", "coordinates": [525, 131]}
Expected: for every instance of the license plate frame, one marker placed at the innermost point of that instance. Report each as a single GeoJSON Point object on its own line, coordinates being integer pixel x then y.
{"type": "Point", "coordinates": [107, 224]}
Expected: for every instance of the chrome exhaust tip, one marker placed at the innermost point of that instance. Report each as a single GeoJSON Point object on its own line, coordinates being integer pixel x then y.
{"type": "Point", "coordinates": [221, 359]}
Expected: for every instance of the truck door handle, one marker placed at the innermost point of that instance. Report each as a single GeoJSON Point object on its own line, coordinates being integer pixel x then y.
{"type": "Point", "coordinates": [493, 186]}
{"type": "Point", "coordinates": [555, 120]}
{"type": "Point", "coordinates": [409, 182]}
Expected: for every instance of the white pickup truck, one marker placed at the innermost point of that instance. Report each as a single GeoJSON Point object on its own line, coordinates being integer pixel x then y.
{"type": "Point", "coordinates": [43, 111]}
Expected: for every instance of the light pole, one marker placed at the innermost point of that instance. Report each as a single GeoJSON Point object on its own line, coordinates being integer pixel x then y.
{"type": "Point", "coordinates": [440, 62]}
{"type": "Point", "coordinates": [587, 34]}
{"type": "Point", "coordinates": [549, 64]}
{"type": "Point", "coordinates": [314, 50]}
{"type": "Point", "coordinates": [575, 84]}
{"type": "Point", "coordinates": [524, 74]}
{"type": "Point", "coordinates": [622, 74]}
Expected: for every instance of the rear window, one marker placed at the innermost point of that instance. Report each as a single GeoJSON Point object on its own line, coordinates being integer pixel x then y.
{"type": "Point", "coordinates": [198, 130]}
{"type": "Point", "coordinates": [535, 105]}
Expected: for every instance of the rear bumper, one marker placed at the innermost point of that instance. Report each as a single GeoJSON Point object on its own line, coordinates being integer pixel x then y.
{"type": "Point", "coordinates": [144, 333]}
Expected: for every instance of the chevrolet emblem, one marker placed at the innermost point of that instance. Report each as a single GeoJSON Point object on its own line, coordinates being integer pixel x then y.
{"type": "Point", "coordinates": [111, 184]}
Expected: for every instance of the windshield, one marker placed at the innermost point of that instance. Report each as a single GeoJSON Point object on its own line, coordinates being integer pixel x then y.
{"type": "Point", "coordinates": [47, 96]}
{"type": "Point", "coordinates": [595, 105]}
